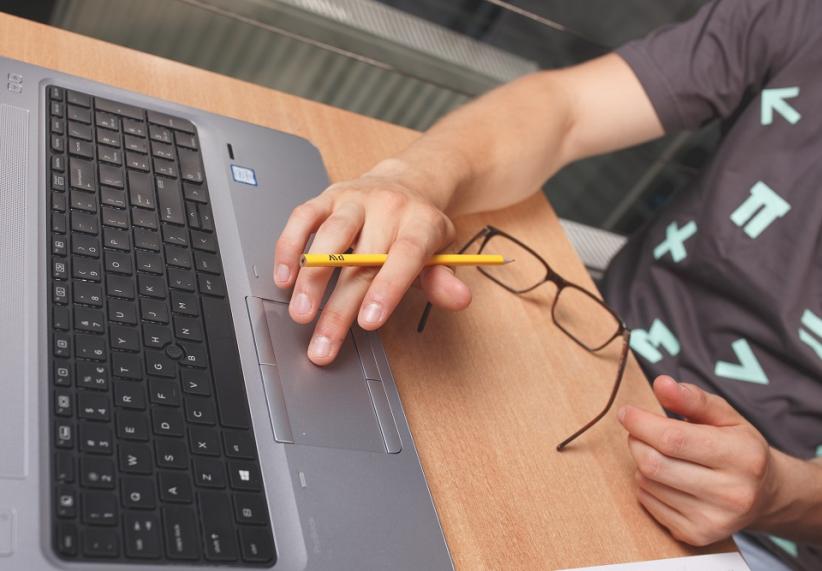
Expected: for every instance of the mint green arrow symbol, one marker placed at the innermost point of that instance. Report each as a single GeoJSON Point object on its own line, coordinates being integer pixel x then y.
{"type": "Point", "coordinates": [774, 100]}
{"type": "Point", "coordinates": [748, 368]}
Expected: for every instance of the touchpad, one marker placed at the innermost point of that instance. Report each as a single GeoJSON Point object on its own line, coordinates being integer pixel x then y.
{"type": "Point", "coordinates": [327, 406]}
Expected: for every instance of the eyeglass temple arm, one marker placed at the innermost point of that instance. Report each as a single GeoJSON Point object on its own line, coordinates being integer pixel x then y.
{"type": "Point", "coordinates": [626, 336]}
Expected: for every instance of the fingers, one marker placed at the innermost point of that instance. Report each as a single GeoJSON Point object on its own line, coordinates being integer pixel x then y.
{"type": "Point", "coordinates": [695, 404]}
{"type": "Point", "coordinates": [685, 476]}
{"type": "Point", "coordinates": [444, 289]}
{"type": "Point", "coordinates": [406, 258]}
{"type": "Point", "coordinates": [667, 516]}
{"type": "Point", "coordinates": [334, 235]}
{"type": "Point", "coordinates": [675, 438]}
{"type": "Point", "coordinates": [304, 221]}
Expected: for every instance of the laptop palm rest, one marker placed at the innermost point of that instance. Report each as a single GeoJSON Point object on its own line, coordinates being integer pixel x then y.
{"type": "Point", "coordinates": [319, 406]}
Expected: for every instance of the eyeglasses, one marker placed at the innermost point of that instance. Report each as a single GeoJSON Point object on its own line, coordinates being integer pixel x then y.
{"type": "Point", "coordinates": [575, 311]}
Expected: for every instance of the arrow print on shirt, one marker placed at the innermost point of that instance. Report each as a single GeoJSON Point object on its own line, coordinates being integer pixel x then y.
{"type": "Point", "coordinates": [774, 100]}
{"type": "Point", "coordinates": [747, 369]}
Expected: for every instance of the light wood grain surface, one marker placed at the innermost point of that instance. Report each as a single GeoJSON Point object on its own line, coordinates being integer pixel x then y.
{"type": "Point", "coordinates": [489, 391]}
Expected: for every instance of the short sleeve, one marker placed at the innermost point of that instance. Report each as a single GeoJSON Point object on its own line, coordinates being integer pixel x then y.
{"type": "Point", "coordinates": [701, 69]}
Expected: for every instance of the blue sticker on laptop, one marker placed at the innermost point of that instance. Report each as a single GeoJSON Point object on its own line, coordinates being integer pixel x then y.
{"type": "Point", "coordinates": [244, 175]}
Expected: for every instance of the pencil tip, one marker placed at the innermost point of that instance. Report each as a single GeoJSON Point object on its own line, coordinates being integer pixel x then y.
{"type": "Point", "coordinates": [508, 260]}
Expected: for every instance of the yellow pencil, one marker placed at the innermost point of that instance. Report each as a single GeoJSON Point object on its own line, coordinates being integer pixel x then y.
{"type": "Point", "coordinates": [348, 260]}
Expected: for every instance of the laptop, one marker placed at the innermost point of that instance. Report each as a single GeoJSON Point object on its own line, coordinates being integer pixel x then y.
{"type": "Point", "coordinates": [157, 406]}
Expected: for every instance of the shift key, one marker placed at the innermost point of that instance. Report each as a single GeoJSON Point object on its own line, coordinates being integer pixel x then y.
{"type": "Point", "coordinates": [218, 530]}
{"type": "Point", "coordinates": [82, 174]}
{"type": "Point", "coordinates": [170, 198]}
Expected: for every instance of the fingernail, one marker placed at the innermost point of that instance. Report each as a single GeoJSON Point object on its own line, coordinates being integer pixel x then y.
{"type": "Point", "coordinates": [320, 346]}
{"type": "Point", "coordinates": [621, 413]}
{"type": "Point", "coordinates": [372, 313]}
{"type": "Point", "coordinates": [301, 304]}
{"type": "Point", "coordinates": [283, 273]}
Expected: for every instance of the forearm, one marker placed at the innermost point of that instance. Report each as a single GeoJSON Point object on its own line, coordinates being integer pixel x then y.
{"type": "Point", "coordinates": [796, 511]}
{"type": "Point", "coordinates": [502, 147]}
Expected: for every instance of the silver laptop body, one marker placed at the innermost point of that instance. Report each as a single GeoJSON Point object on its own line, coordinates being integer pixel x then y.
{"type": "Point", "coordinates": [342, 480]}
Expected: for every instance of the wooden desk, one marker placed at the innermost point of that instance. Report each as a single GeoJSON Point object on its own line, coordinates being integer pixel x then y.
{"type": "Point", "coordinates": [488, 392]}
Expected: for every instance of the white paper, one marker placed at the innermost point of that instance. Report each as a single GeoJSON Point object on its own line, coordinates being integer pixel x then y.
{"type": "Point", "coordinates": [717, 562]}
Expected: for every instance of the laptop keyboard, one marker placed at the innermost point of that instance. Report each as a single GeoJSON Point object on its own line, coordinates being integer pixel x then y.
{"type": "Point", "coordinates": [153, 453]}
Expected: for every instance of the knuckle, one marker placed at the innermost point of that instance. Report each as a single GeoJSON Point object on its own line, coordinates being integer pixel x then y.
{"type": "Point", "coordinates": [332, 322]}
{"type": "Point", "coordinates": [411, 247]}
{"type": "Point", "coordinates": [741, 500]}
{"type": "Point", "coordinates": [391, 199]}
{"type": "Point", "coordinates": [650, 464]}
{"type": "Point", "coordinates": [673, 441]}
{"type": "Point", "coordinates": [306, 211]}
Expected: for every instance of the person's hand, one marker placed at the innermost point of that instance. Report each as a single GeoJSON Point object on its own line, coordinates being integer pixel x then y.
{"type": "Point", "coordinates": [705, 478]}
{"type": "Point", "coordinates": [377, 213]}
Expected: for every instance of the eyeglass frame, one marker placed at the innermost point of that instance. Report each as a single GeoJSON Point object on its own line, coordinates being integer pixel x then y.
{"type": "Point", "coordinates": [560, 282]}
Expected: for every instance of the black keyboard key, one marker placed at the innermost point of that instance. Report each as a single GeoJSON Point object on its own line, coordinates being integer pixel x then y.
{"type": "Point", "coordinates": [58, 222]}
{"type": "Point", "coordinates": [227, 372]}
{"type": "Point", "coordinates": [179, 279]}
{"type": "Point", "coordinates": [165, 392]}
{"type": "Point", "coordinates": [239, 444]}
{"type": "Point", "coordinates": [129, 395]}
{"type": "Point", "coordinates": [245, 476]}
{"type": "Point", "coordinates": [187, 329]}
{"type": "Point", "coordinates": [115, 218]}
{"type": "Point", "coordinates": [150, 263]}
{"type": "Point", "coordinates": [55, 93]}
{"type": "Point", "coordinates": [206, 218]}
{"type": "Point", "coordinates": [80, 148]}
{"type": "Point", "coordinates": [63, 403]}
{"type": "Point", "coordinates": [146, 239]}
{"type": "Point", "coordinates": [107, 120]}
{"type": "Point", "coordinates": [250, 509]}
{"type": "Point", "coordinates": [176, 487]}
{"type": "Point", "coordinates": [134, 458]}
{"type": "Point", "coordinates": [257, 545]}
{"type": "Point", "coordinates": [90, 346]}
{"type": "Point", "coordinates": [126, 366]}
{"type": "Point", "coordinates": [132, 426]}
{"type": "Point", "coordinates": [176, 235]}
{"type": "Point", "coordinates": [113, 197]}
{"type": "Point", "coordinates": [58, 144]}
{"type": "Point", "coordinates": [58, 182]}
{"type": "Point", "coordinates": [179, 257]}
{"type": "Point", "coordinates": [116, 239]}
{"type": "Point", "coordinates": [56, 109]}
{"type": "Point", "coordinates": [162, 150]}
{"type": "Point", "coordinates": [211, 285]}
{"type": "Point", "coordinates": [65, 501]}
{"type": "Point", "coordinates": [144, 218]}
{"type": "Point", "coordinates": [59, 269]}
{"type": "Point", "coordinates": [170, 122]}
{"type": "Point", "coordinates": [86, 269]}
{"type": "Point", "coordinates": [195, 382]}
{"type": "Point", "coordinates": [153, 310]}
{"type": "Point", "coordinates": [209, 473]}
{"type": "Point", "coordinates": [61, 318]}
{"type": "Point", "coordinates": [203, 241]}
{"type": "Point", "coordinates": [142, 535]}
{"type": "Point", "coordinates": [195, 355]}
{"type": "Point", "coordinates": [136, 144]}
{"type": "Point", "coordinates": [80, 99]}
{"type": "Point", "coordinates": [58, 163]}
{"type": "Point", "coordinates": [195, 192]}
{"type": "Point", "coordinates": [191, 166]}
{"type": "Point", "coordinates": [63, 431]}
{"type": "Point", "coordinates": [203, 441]}
{"type": "Point", "coordinates": [79, 131]}
{"type": "Point", "coordinates": [107, 137]}
{"type": "Point", "coordinates": [96, 472]}
{"type": "Point", "coordinates": [167, 421]}
{"type": "Point", "coordinates": [82, 200]}
{"type": "Point", "coordinates": [100, 542]}
{"type": "Point", "coordinates": [119, 263]}
{"type": "Point", "coordinates": [171, 453]}
{"type": "Point", "coordinates": [122, 311]}
{"type": "Point", "coordinates": [181, 531]}
{"type": "Point", "coordinates": [82, 222]}
{"type": "Point", "coordinates": [92, 376]}
{"type": "Point", "coordinates": [156, 336]}
{"type": "Point", "coordinates": [124, 338]}
{"type": "Point", "coordinates": [58, 201]}
{"type": "Point", "coordinates": [200, 411]}
{"type": "Point", "coordinates": [110, 155]}
{"type": "Point", "coordinates": [64, 467]}
{"type": "Point", "coordinates": [132, 127]}
{"type": "Point", "coordinates": [62, 372]}
{"type": "Point", "coordinates": [193, 215]}
{"type": "Point", "coordinates": [58, 246]}
{"type": "Point", "coordinates": [152, 286]}
{"type": "Point", "coordinates": [100, 508]}
{"type": "Point", "coordinates": [88, 294]}
{"type": "Point", "coordinates": [219, 537]}
{"type": "Point", "coordinates": [141, 189]}
{"type": "Point", "coordinates": [161, 134]}
{"type": "Point", "coordinates": [137, 492]}
{"type": "Point", "coordinates": [62, 341]}
{"type": "Point", "coordinates": [93, 406]}
{"type": "Point", "coordinates": [96, 438]}
{"type": "Point", "coordinates": [137, 161]}
{"type": "Point", "coordinates": [164, 167]}
{"type": "Point", "coordinates": [75, 113]}
{"type": "Point", "coordinates": [85, 245]}
{"type": "Point", "coordinates": [118, 108]}
{"type": "Point", "coordinates": [81, 174]}
{"type": "Point", "coordinates": [111, 175]}
{"type": "Point", "coordinates": [186, 140]}
{"type": "Point", "coordinates": [171, 200]}
{"type": "Point", "coordinates": [185, 304]}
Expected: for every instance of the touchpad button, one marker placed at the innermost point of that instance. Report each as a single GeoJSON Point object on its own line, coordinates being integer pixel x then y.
{"type": "Point", "coordinates": [327, 406]}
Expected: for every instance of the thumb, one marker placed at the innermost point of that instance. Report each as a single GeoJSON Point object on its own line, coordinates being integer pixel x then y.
{"type": "Point", "coordinates": [444, 289]}
{"type": "Point", "coordinates": [695, 404]}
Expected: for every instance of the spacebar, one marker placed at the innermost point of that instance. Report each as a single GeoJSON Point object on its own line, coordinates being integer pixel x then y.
{"type": "Point", "coordinates": [229, 386]}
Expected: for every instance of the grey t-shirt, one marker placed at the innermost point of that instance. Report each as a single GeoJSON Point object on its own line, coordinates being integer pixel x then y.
{"type": "Point", "coordinates": [724, 287]}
